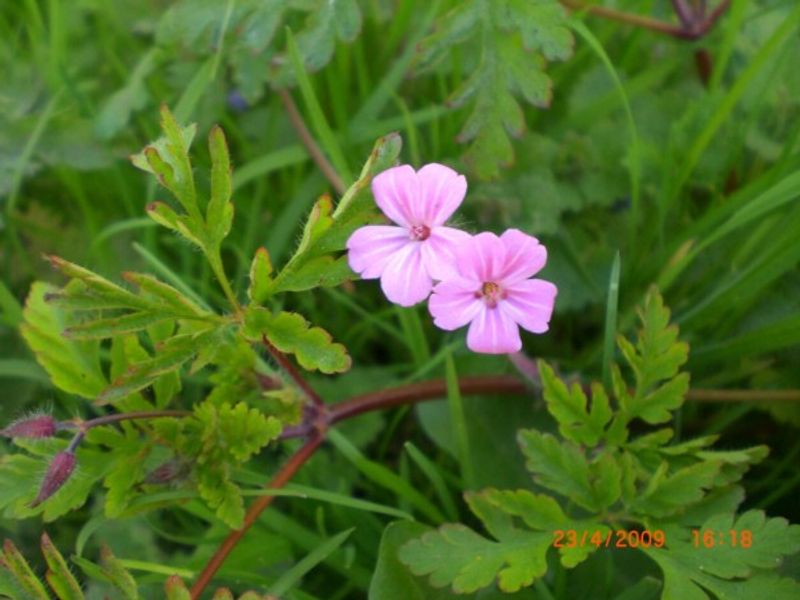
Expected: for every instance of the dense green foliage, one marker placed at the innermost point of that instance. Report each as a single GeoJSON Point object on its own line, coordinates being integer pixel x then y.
{"type": "Point", "coordinates": [169, 265]}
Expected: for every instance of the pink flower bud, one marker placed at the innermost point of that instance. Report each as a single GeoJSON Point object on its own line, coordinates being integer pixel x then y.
{"type": "Point", "coordinates": [60, 469]}
{"type": "Point", "coordinates": [37, 426]}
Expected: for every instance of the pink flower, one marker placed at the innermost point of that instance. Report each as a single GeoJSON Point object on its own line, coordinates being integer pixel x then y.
{"type": "Point", "coordinates": [493, 293]}
{"type": "Point", "coordinates": [408, 256]}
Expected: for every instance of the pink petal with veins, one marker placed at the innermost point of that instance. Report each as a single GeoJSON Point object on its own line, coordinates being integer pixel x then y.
{"type": "Point", "coordinates": [530, 303]}
{"type": "Point", "coordinates": [482, 258]}
{"type": "Point", "coordinates": [493, 332]}
{"type": "Point", "coordinates": [372, 247]}
{"type": "Point", "coordinates": [396, 191]}
{"type": "Point", "coordinates": [453, 304]}
{"type": "Point", "coordinates": [439, 250]}
{"type": "Point", "coordinates": [442, 191]}
{"type": "Point", "coordinates": [525, 256]}
{"type": "Point", "coordinates": [404, 280]}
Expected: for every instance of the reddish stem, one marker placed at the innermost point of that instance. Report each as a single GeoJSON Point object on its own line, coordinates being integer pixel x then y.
{"type": "Point", "coordinates": [694, 30]}
{"type": "Point", "coordinates": [281, 478]}
{"type": "Point", "coordinates": [287, 365]}
{"type": "Point", "coordinates": [427, 390]}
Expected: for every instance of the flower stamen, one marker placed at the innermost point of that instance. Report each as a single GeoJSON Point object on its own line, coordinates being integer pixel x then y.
{"type": "Point", "coordinates": [491, 293]}
{"type": "Point", "coordinates": [419, 233]}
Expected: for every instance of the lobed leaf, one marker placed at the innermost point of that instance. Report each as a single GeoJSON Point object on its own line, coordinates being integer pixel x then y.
{"type": "Point", "coordinates": [690, 569]}
{"type": "Point", "coordinates": [291, 333]}
{"type": "Point", "coordinates": [569, 407]}
{"type": "Point", "coordinates": [514, 38]}
{"type": "Point", "coordinates": [317, 260]}
{"type": "Point", "coordinates": [58, 573]}
{"type": "Point", "coordinates": [73, 366]}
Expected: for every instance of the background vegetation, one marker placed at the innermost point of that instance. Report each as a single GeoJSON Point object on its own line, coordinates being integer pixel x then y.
{"type": "Point", "coordinates": [602, 138]}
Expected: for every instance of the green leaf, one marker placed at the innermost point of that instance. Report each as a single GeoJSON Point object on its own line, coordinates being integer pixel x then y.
{"type": "Point", "coordinates": [456, 555]}
{"type": "Point", "coordinates": [175, 589]}
{"type": "Point", "coordinates": [228, 436]}
{"type": "Point", "coordinates": [117, 574]}
{"type": "Point", "coordinates": [167, 217]}
{"type": "Point", "coordinates": [568, 406]}
{"type": "Point", "coordinates": [169, 357]}
{"type": "Point", "coordinates": [236, 430]}
{"type": "Point", "coordinates": [564, 468]}
{"type": "Point", "coordinates": [219, 213]}
{"type": "Point", "coordinates": [656, 358]}
{"type": "Point", "coordinates": [114, 326]}
{"type": "Point", "coordinates": [117, 110]}
{"type": "Point", "coordinates": [12, 561]}
{"type": "Point", "coordinates": [168, 159]}
{"type": "Point", "coordinates": [669, 494]}
{"type": "Point", "coordinates": [74, 366]}
{"type": "Point", "coordinates": [317, 262]}
{"type": "Point", "coordinates": [327, 22]}
{"type": "Point", "coordinates": [291, 333]}
{"type": "Point", "coordinates": [58, 574]}
{"type": "Point", "coordinates": [391, 579]}
{"type": "Point", "coordinates": [691, 569]}
{"type": "Point", "coordinates": [514, 39]}
{"type": "Point", "coordinates": [260, 276]}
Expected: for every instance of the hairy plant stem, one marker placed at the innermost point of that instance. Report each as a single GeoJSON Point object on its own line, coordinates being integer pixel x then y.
{"type": "Point", "coordinates": [85, 426]}
{"type": "Point", "coordinates": [287, 365]}
{"type": "Point", "coordinates": [313, 149]}
{"type": "Point", "coordinates": [691, 28]}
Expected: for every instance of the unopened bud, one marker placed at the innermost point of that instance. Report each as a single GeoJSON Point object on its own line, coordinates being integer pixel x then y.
{"type": "Point", "coordinates": [37, 426]}
{"type": "Point", "coordinates": [168, 472]}
{"type": "Point", "coordinates": [60, 469]}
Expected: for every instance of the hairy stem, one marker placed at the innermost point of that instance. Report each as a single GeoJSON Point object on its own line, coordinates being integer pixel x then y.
{"type": "Point", "coordinates": [281, 478]}
{"type": "Point", "coordinates": [116, 418]}
{"type": "Point", "coordinates": [308, 141]}
{"type": "Point", "coordinates": [287, 365]}
{"type": "Point", "coordinates": [215, 261]}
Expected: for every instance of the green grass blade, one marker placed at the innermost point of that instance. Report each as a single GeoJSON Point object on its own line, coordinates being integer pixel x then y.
{"type": "Point", "coordinates": [634, 158]}
{"type": "Point", "coordinates": [458, 422]}
{"type": "Point", "coordinates": [385, 478]}
{"type": "Point", "coordinates": [291, 577]}
{"type": "Point", "coordinates": [319, 123]}
{"type": "Point", "coordinates": [431, 471]}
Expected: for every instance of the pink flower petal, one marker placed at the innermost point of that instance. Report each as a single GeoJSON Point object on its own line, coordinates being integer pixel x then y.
{"type": "Point", "coordinates": [396, 190]}
{"type": "Point", "coordinates": [530, 303]}
{"type": "Point", "coordinates": [525, 256]}
{"type": "Point", "coordinates": [373, 246]}
{"type": "Point", "coordinates": [439, 251]}
{"type": "Point", "coordinates": [404, 280]}
{"type": "Point", "coordinates": [441, 192]}
{"type": "Point", "coordinates": [493, 332]}
{"type": "Point", "coordinates": [482, 258]}
{"type": "Point", "coordinates": [453, 304]}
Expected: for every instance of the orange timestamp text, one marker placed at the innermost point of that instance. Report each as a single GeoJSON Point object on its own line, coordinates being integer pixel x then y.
{"type": "Point", "coordinates": [611, 538]}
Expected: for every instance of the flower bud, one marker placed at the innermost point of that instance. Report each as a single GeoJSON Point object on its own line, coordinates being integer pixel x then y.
{"type": "Point", "coordinates": [36, 426]}
{"type": "Point", "coordinates": [168, 472]}
{"type": "Point", "coordinates": [60, 469]}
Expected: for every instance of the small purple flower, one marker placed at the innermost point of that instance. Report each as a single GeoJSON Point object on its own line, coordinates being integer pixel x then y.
{"type": "Point", "coordinates": [35, 426]}
{"type": "Point", "coordinates": [418, 249]}
{"type": "Point", "coordinates": [493, 292]}
{"type": "Point", "coordinates": [59, 470]}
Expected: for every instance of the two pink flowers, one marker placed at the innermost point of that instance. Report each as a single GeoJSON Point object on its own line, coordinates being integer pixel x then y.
{"type": "Point", "coordinates": [481, 280]}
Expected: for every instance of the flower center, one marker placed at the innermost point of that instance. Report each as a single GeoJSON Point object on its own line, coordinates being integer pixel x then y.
{"type": "Point", "coordinates": [420, 233]}
{"type": "Point", "coordinates": [491, 293]}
